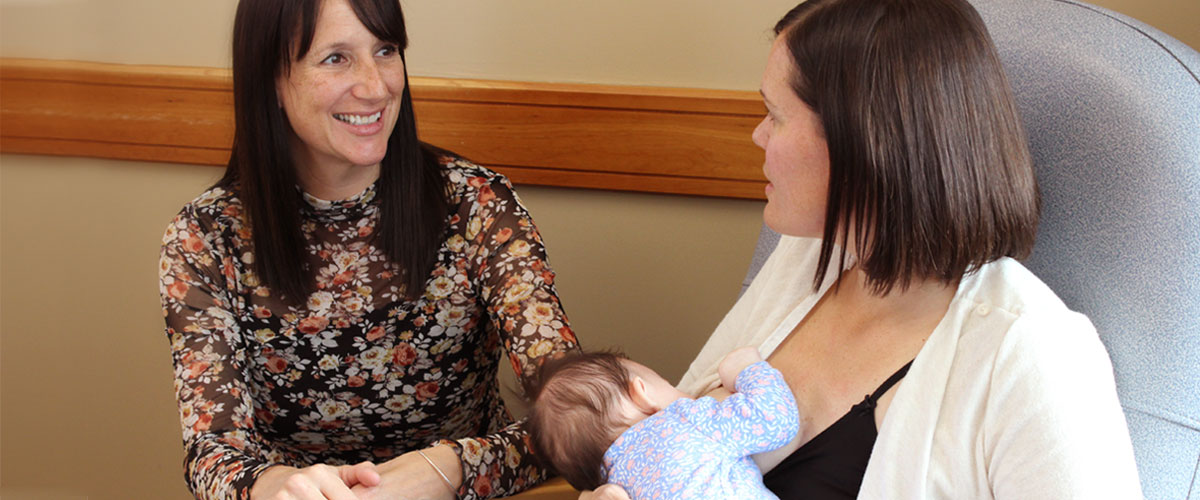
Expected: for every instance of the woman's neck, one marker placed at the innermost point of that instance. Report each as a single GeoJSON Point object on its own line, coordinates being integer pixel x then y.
{"type": "Point", "coordinates": [921, 303]}
{"type": "Point", "coordinates": [334, 186]}
{"type": "Point", "coordinates": [332, 182]}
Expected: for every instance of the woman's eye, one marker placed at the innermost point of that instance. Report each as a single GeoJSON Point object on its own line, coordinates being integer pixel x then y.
{"type": "Point", "coordinates": [333, 59]}
{"type": "Point", "coordinates": [388, 50]}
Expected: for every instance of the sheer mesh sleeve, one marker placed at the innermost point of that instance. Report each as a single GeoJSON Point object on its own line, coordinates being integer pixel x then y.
{"type": "Point", "coordinates": [518, 287]}
{"type": "Point", "coordinates": [224, 454]}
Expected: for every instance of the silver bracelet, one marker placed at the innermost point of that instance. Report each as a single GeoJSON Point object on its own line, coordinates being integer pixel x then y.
{"type": "Point", "coordinates": [439, 472]}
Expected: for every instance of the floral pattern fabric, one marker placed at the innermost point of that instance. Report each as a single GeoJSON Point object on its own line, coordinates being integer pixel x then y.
{"type": "Point", "coordinates": [356, 372]}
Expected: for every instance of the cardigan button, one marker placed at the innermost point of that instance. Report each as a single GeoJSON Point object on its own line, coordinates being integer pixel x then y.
{"type": "Point", "coordinates": [983, 309]}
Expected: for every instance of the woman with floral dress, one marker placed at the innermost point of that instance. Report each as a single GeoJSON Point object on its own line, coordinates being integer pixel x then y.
{"type": "Point", "coordinates": [343, 294]}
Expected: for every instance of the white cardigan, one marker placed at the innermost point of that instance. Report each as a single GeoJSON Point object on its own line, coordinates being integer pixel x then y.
{"type": "Point", "coordinates": [1012, 396]}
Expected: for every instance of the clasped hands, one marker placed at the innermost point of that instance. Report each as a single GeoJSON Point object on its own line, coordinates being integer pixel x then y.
{"type": "Point", "coordinates": [406, 477]}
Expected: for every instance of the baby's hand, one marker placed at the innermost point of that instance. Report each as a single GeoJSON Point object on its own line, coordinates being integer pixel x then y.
{"type": "Point", "coordinates": [734, 363]}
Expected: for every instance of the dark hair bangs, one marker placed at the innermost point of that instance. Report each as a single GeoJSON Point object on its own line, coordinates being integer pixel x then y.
{"type": "Point", "coordinates": [383, 18]}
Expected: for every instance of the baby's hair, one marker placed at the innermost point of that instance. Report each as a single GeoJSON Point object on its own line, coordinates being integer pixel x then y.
{"type": "Point", "coordinates": [573, 416]}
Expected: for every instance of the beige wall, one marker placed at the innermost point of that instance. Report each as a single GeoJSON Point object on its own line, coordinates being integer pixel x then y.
{"type": "Point", "coordinates": [87, 402]}
{"type": "Point", "coordinates": [85, 378]}
{"type": "Point", "coordinates": [684, 43]}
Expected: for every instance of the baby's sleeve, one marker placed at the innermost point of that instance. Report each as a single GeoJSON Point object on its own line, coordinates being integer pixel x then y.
{"type": "Point", "coordinates": [761, 416]}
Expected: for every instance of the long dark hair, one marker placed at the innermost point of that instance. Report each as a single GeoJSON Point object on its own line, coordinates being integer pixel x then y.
{"type": "Point", "coordinates": [268, 36]}
{"type": "Point", "coordinates": [928, 158]}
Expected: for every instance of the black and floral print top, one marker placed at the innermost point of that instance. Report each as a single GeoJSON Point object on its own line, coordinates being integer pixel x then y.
{"type": "Point", "coordinates": [357, 373]}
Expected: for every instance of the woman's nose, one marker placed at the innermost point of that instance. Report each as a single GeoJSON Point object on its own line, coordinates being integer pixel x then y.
{"type": "Point", "coordinates": [370, 84]}
{"type": "Point", "coordinates": [760, 134]}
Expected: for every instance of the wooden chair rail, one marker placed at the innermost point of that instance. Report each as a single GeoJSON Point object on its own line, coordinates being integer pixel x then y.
{"type": "Point", "coordinates": [626, 138]}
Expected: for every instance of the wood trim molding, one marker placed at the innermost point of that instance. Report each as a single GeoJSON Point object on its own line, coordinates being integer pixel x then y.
{"type": "Point", "coordinates": [648, 139]}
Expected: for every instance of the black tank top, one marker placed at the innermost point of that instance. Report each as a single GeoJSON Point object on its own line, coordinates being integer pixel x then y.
{"type": "Point", "coordinates": [833, 463]}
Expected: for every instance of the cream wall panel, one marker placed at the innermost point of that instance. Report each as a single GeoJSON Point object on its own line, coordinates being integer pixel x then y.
{"type": "Point", "coordinates": [672, 43]}
{"type": "Point", "coordinates": [675, 43]}
{"type": "Point", "coordinates": [86, 377]}
{"type": "Point", "coordinates": [167, 32]}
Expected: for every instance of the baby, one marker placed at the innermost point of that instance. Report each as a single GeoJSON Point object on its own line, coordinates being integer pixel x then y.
{"type": "Point", "coordinates": [601, 418]}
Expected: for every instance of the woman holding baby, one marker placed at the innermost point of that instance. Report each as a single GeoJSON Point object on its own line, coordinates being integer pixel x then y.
{"type": "Point", "coordinates": [901, 181]}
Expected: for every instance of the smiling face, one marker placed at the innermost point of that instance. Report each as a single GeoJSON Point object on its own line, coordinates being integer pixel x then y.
{"type": "Point", "coordinates": [342, 98]}
{"type": "Point", "coordinates": [797, 157]}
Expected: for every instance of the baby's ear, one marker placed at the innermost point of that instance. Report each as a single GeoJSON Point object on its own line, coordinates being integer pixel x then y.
{"type": "Point", "coordinates": [639, 394]}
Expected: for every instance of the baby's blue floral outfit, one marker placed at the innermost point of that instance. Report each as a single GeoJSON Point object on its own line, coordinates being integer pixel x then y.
{"type": "Point", "coordinates": [700, 449]}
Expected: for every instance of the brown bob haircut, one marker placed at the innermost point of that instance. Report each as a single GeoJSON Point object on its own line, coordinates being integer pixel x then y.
{"type": "Point", "coordinates": [929, 163]}
{"type": "Point", "coordinates": [572, 420]}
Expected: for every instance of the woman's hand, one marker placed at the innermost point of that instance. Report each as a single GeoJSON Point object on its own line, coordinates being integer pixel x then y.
{"type": "Point", "coordinates": [410, 476]}
{"type": "Point", "coordinates": [317, 482]}
{"type": "Point", "coordinates": [605, 492]}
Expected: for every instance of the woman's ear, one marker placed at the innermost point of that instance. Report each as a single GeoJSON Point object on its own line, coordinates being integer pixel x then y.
{"type": "Point", "coordinates": [639, 393]}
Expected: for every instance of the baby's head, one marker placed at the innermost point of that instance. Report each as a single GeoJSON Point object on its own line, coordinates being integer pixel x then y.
{"type": "Point", "coordinates": [582, 403]}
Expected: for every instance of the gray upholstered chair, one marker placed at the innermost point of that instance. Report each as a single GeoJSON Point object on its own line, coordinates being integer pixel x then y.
{"type": "Point", "coordinates": [1112, 108]}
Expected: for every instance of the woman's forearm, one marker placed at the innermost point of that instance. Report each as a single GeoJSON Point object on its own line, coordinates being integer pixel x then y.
{"type": "Point", "coordinates": [411, 475]}
{"type": "Point", "coordinates": [447, 466]}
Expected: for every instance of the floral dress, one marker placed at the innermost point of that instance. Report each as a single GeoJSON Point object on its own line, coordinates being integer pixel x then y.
{"type": "Point", "coordinates": [357, 372]}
